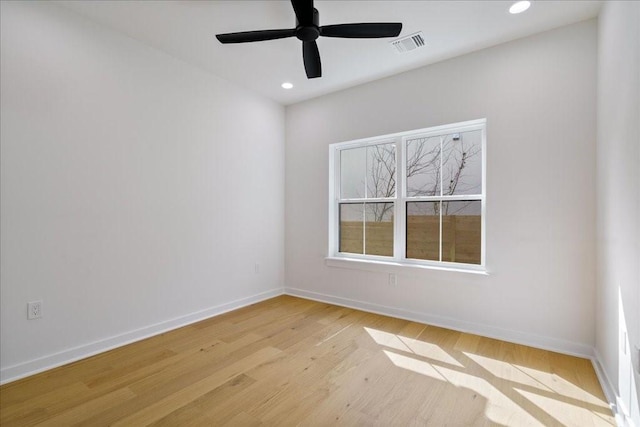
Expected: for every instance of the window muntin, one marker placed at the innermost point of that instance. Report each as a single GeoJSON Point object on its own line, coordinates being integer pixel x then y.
{"type": "Point", "coordinates": [366, 228]}
{"type": "Point", "coordinates": [423, 230]}
{"type": "Point", "coordinates": [444, 165]}
{"type": "Point", "coordinates": [366, 203]}
{"type": "Point", "coordinates": [414, 197]}
{"type": "Point", "coordinates": [368, 172]}
{"type": "Point", "coordinates": [423, 166]}
{"type": "Point", "coordinates": [449, 231]}
{"type": "Point", "coordinates": [462, 231]}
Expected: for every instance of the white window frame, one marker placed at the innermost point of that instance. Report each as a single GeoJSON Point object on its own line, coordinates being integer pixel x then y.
{"type": "Point", "coordinates": [400, 200]}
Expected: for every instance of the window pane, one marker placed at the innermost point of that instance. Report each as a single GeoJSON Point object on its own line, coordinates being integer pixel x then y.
{"type": "Point", "coordinates": [381, 171]}
{"type": "Point", "coordinates": [379, 229]}
{"type": "Point", "coordinates": [461, 231]}
{"type": "Point", "coordinates": [423, 167]}
{"type": "Point", "coordinates": [352, 172]}
{"type": "Point", "coordinates": [423, 230]}
{"type": "Point", "coordinates": [462, 163]}
{"type": "Point", "coordinates": [352, 228]}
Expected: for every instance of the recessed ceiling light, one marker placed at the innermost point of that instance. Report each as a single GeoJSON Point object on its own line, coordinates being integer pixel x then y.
{"type": "Point", "coordinates": [286, 85]}
{"type": "Point", "coordinates": [519, 7]}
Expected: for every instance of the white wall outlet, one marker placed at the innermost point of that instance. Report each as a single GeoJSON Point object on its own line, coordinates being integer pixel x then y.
{"type": "Point", "coordinates": [256, 268]}
{"type": "Point", "coordinates": [34, 310]}
{"type": "Point", "coordinates": [393, 280]}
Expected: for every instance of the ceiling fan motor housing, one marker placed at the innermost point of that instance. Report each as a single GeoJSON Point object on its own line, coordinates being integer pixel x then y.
{"type": "Point", "coordinates": [308, 33]}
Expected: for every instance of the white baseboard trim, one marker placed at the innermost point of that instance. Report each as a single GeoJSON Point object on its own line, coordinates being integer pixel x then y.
{"type": "Point", "coordinates": [31, 367]}
{"type": "Point", "coordinates": [615, 402]}
{"type": "Point", "coordinates": [545, 343]}
{"type": "Point", "coordinates": [607, 386]}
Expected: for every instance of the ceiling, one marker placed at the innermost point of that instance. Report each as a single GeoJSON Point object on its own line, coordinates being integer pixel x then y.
{"type": "Point", "coordinates": [186, 30]}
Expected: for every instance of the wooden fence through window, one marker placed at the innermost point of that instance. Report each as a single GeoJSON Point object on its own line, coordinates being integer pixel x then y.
{"type": "Point", "coordinates": [461, 238]}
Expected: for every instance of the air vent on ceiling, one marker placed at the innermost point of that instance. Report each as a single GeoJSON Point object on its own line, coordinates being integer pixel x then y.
{"type": "Point", "coordinates": [408, 43]}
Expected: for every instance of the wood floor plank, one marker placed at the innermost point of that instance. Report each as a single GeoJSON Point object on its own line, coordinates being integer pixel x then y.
{"type": "Point", "coordinates": [197, 409]}
{"type": "Point", "coordinates": [194, 391]}
{"type": "Point", "coordinates": [243, 419]}
{"type": "Point", "coordinates": [44, 403]}
{"type": "Point", "coordinates": [79, 413]}
{"type": "Point", "coordinates": [291, 361]}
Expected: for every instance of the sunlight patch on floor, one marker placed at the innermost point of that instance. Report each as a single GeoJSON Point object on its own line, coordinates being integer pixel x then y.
{"type": "Point", "coordinates": [563, 387]}
{"type": "Point", "coordinates": [499, 408]}
{"type": "Point", "coordinates": [567, 413]}
{"type": "Point", "coordinates": [414, 365]}
{"type": "Point", "coordinates": [506, 371]}
{"type": "Point", "coordinates": [514, 394]}
{"type": "Point", "coordinates": [546, 381]}
{"type": "Point", "coordinates": [413, 346]}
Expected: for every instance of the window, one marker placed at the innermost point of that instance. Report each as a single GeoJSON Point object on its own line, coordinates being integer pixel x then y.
{"type": "Point", "coordinates": [415, 197]}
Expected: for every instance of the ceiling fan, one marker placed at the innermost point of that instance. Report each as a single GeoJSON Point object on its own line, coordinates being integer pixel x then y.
{"type": "Point", "coordinates": [308, 30]}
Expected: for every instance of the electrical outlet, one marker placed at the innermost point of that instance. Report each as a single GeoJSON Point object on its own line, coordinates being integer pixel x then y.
{"type": "Point", "coordinates": [256, 268]}
{"type": "Point", "coordinates": [34, 310]}
{"type": "Point", "coordinates": [393, 280]}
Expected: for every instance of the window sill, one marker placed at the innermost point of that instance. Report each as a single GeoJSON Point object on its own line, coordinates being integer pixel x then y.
{"type": "Point", "coordinates": [395, 267]}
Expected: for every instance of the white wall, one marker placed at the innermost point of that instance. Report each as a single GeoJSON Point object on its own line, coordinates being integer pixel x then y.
{"type": "Point", "coordinates": [539, 97]}
{"type": "Point", "coordinates": [618, 213]}
{"type": "Point", "coordinates": [137, 191]}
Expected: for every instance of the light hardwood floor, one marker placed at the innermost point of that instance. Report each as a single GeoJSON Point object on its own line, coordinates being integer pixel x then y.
{"type": "Point", "coordinates": [289, 361]}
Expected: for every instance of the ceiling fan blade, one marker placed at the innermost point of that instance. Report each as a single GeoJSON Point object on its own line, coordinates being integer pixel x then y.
{"type": "Point", "coordinates": [255, 36]}
{"type": "Point", "coordinates": [370, 30]}
{"type": "Point", "coordinates": [304, 11]}
{"type": "Point", "coordinates": [311, 57]}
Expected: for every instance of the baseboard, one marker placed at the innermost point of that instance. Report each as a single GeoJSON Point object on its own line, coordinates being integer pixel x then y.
{"type": "Point", "coordinates": [607, 385]}
{"type": "Point", "coordinates": [615, 403]}
{"type": "Point", "coordinates": [31, 367]}
{"type": "Point", "coordinates": [545, 343]}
